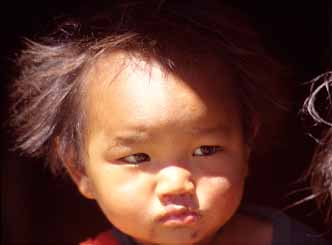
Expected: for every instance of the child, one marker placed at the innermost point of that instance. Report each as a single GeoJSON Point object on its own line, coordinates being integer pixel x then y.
{"type": "Point", "coordinates": [152, 108]}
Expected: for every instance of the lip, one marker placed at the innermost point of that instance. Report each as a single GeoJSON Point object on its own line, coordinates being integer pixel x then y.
{"type": "Point", "coordinates": [175, 216]}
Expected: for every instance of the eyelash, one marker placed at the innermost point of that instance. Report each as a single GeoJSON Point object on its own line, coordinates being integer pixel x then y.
{"type": "Point", "coordinates": [147, 158]}
{"type": "Point", "coordinates": [205, 150]}
{"type": "Point", "coordinates": [214, 148]}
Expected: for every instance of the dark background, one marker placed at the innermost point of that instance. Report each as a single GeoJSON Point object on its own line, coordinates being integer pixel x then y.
{"type": "Point", "coordinates": [38, 208]}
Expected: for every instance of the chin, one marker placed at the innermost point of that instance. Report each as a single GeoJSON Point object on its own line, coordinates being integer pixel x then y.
{"type": "Point", "coordinates": [178, 235]}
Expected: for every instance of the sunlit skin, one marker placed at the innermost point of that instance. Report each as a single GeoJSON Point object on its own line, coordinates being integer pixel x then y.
{"type": "Point", "coordinates": [157, 143]}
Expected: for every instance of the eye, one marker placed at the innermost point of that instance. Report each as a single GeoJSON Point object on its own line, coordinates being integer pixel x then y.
{"type": "Point", "coordinates": [135, 158]}
{"type": "Point", "coordinates": [206, 150]}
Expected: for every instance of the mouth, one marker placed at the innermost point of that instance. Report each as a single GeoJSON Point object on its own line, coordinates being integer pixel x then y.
{"type": "Point", "coordinates": [182, 216]}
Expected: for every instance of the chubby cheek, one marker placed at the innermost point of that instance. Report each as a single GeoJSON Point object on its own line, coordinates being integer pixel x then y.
{"type": "Point", "coordinates": [218, 188]}
{"type": "Point", "coordinates": [219, 197]}
{"type": "Point", "coordinates": [221, 182]}
{"type": "Point", "coordinates": [123, 196]}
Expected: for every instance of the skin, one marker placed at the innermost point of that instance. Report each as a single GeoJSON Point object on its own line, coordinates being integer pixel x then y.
{"type": "Point", "coordinates": [160, 141]}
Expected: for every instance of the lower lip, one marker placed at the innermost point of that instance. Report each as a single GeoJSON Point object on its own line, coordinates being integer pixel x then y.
{"type": "Point", "coordinates": [180, 219]}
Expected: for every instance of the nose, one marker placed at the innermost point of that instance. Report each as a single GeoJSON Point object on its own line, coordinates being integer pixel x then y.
{"type": "Point", "coordinates": [174, 181]}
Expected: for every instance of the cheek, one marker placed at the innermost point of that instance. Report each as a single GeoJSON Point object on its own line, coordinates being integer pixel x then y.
{"type": "Point", "coordinates": [213, 187]}
{"type": "Point", "coordinates": [219, 198]}
{"type": "Point", "coordinates": [123, 193]}
{"type": "Point", "coordinates": [221, 179]}
{"type": "Point", "coordinates": [220, 191]}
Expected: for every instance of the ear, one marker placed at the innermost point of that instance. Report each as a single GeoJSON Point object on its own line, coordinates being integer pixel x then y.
{"type": "Point", "coordinates": [85, 188]}
{"type": "Point", "coordinates": [254, 128]}
{"type": "Point", "coordinates": [77, 174]}
{"type": "Point", "coordinates": [81, 179]}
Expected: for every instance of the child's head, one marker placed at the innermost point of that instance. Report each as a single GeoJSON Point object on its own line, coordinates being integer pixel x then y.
{"type": "Point", "coordinates": [160, 145]}
{"type": "Point", "coordinates": [152, 111]}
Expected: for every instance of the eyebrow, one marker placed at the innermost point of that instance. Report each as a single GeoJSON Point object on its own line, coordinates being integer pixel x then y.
{"type": "Point", "coordinates": [129, 139]}
{"type": "Point", "coordinates": [140, 135]}
{"type": "Point", "coordinates": [207, 130]}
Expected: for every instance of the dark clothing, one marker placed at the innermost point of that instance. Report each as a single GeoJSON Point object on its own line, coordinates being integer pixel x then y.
{"type": "Point", "coordinates": [286, 231]}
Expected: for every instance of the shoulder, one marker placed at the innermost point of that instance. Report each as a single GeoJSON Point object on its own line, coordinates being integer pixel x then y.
{"type": "Point", "coordinates": [261, 225]}
{"type": "Point", "coordinates": [244, 229]}
{"type": "Point", "coordinates": [286, 230]}
{"type": "Point", "coordinates": [110, 237]}
{"type": "Point", "coordinates": [104, 238]}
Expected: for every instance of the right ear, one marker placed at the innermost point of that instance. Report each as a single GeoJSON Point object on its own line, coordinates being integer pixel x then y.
{"type": "Point", "coordinates": [85, 188]}
{"type": "Point", "coordinates": [78, 175]}
{"type": "Point", "coordinates": [255, 125]}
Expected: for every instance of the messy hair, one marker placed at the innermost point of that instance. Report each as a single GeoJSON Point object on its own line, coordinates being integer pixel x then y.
{"type": "Point", "coordinates": [318, 106]}
{"type": "Point", "coordinates": [48, 115]}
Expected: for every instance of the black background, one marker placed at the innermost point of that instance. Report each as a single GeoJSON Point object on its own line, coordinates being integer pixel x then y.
{"type": "Point", "coordinates": [38, 208]}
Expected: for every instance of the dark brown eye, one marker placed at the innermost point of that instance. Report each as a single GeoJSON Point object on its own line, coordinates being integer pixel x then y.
{"type": "Point", "coordinates": [135, 158]}
{"type": "Point", "coordinates": [206, 150]}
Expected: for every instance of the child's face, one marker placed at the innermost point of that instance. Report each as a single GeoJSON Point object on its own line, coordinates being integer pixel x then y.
{"type": "Point", "coordinates": [166, 159]}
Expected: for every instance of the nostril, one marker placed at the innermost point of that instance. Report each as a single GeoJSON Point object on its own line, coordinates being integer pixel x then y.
{"type": "Point", "coordinates": [185, 199]}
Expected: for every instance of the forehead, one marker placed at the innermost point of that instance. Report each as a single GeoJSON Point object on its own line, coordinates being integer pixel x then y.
{"type": "Point", "coordinates": [130, 91]}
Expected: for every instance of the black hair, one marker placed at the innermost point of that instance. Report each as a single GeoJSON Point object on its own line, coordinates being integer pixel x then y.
{"type": "Point", "coordinates": [47, 114]}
